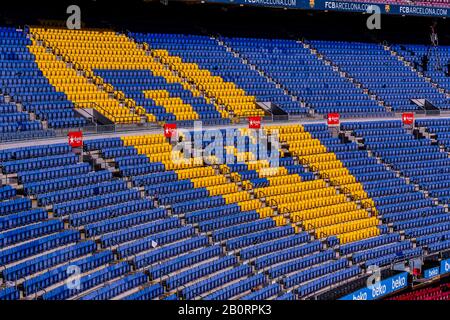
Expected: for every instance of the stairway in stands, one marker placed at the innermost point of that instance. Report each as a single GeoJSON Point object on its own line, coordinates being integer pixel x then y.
{"type": "Point", "coordinates": [410, 65]}
{"type": "Point", "coordinates": [382, 249]}
{"type": "Point", "coordinates": [15, 123]}
{"type": "Point", "coordinates": [343, 186]}
{"type": "Point", "coordinates": [424, 169]}
{"type": "Point", "coordinates": [68, 66]}
{"type": "Point", "coordinates": [81, 91]}
{"type": "Point", "coordinates": [278, 93]}
{"type": "Point", "coordinates": [223, 223]}
{"type": "Point", "coordinates": [412, 55]}
{"type": "Point", "coordinates": [140, 226]}
{"type": "Point", "coordinates": [404, 162]}
{"type": "Point", "coordinates": [382, 73]}
{"type": "Point", "coordinates": [345, 75]}
{"type": "Point", "coordinates": [30, 104]}
{"type": "Point", "coordinates": [181, 54]}
{"type": "Point", "coordinates": [437, 130]}
{"type": "Point", "coordinates": [305, 76]}
{"type": "Point", "coordinates": [187, 191]}
{"type": "Point", "coordinates": [49, 220]}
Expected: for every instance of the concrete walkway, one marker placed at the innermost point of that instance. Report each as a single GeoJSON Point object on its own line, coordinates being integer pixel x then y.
{"type": "Point", "coordinates": [92, 136]}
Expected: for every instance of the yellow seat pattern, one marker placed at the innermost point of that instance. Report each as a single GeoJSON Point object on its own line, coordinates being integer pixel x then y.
{"type": "Point", "coordinates": [317, 205]}
{"type": "Point", "coordinates": [237, 197]}
{"type": "Point", "coordinates": [235, 100]}
{"type": "Point", "coordinates": [143, 140]}
{"type": "Point", "coordinates": [240, 156]}
{"type": "Point", "coordinates": [321, 208]}
{"type": "Point", "coordinates": [156, 148]}
{"type": "Point", "coordinates": [105, 50]}
{"type": "Point", "coordinates": [209, 181]}
{"type": "Point", "coordinates": [315, 155]}
{"type": "Point", "coordinates": [223, 189]}
{"type": "Point", "coordinates": [323, 211]}
{"type": "Point", "coordinates": [350, 226]}
{"type": "Point", "coordinates": [252, 204]}
{"type": "Point", "coordinates": [77, 89]}
{"type": "Point", "coordinates": [265, 212]}
{"type": "Point", "coordinates": [312, 186]}
{"type": "Point", "coordinates": [175, 105]}
{"type": "Point", "coordinates": [335, 219]}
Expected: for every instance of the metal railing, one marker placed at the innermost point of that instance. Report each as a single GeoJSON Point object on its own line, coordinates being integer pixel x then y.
{"type": "Point", "coordinates": [310, 227]}
{"type": "Point", "coordinates": [89, 130]}
{"type": "Point", "coordinates": [273, 203]}
{"type": "Point", "coordinates": [260, 194]}
{"type": "Point", "coordinates": [225, 170]}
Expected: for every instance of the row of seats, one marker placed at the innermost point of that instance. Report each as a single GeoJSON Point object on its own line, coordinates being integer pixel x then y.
{"type": "Point", "coordinates": [378, 71]}
{"type": "Point", "coordinates": [116, 288]}
{"type": "Point", "coordinates": [77, 88]}
{"type": "Point", "coordinates": [94, 279]}
{"type": "Point", "coordinates": [236, 101]}
{"type": "Point", "coordinates": [304, 76]}
{"type": "Point", "coordinates": [232, 224]}
{"type": "Point", "coordinates": [25, 83]}
{"type": "Point", "coordinates": [182, 252]}
{"type": "Point", "coordinates": [438, 58]}
{"type": "Point", "coordinates": [440, 292]}
{"type": "Point", "coordinates": [407, 209]}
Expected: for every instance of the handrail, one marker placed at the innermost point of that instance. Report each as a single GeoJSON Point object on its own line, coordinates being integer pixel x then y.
{"type": "Point", "coordinates": [120, 95]}
{"type": "Point", "coordinates": [247, 186]}
{"type": "Point", "coordinates": [26, 29]}
{"type": "Point", "coordinates": [273, 202]}
{"type": "Point", "coordinates": [108, 87]}
{"type": "Point", "coordinates": [300, 220]}
{"type": "Point", "coordinates": [346, 191]}
{"type": "Point", "coordinates": [225, 170]}
{"type": "Point", "coordinates": [366, 205]}
{"type": "Point", "coordinates": [303, 161]}
{"type": "Point", "coordinates": [286, 210]}
{"type": "Point", "coordinates": [236, 177]}
{"type": "Point", "coordinates": [90, 74]}
{"type": "Point", "coordinates": [97, 80]}
{"type": "Point", "coordinates": [312, 167]}
{"type": "Point", "coordinates": [66, 58]}
{"type": "Point", "coordinates": [355, 197]}
{"type": "Point", "coordinates": [323, 233]}
{"type": "Point", "coordinates": [259, 192]}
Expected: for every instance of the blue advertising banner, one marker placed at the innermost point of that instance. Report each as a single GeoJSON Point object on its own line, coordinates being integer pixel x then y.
{"type": "Point", "coordinates": [431, 273]}
{"type": "Point", "coordinates": [380, 289]}
{"type": "Point", "coordinates": [445, 266]}
{"type": "Point", "coordinates": [347, 6]}
{"type": "Point", "coordinates": [292, 4]}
